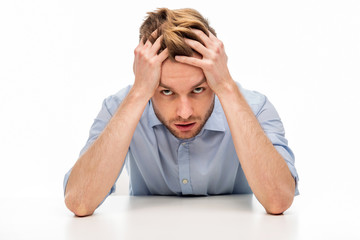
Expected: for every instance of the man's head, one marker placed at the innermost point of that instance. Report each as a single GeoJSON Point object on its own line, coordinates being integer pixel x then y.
{"type": "Point", "coordinates": [183, 102]}
{"type": "Point", "coordinates": [174, 25]}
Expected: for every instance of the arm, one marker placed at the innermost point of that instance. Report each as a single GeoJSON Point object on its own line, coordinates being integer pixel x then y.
{"type": "Point", "coordinates": [266, 171]}
{"type": "Point", "coordinates": [97, 169]}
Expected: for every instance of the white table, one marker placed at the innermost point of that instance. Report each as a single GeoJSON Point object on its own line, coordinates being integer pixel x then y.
{"type": "Point", "coordinates": [157, 217]}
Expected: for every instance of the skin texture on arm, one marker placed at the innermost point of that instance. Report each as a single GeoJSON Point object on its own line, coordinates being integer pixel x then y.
{"type": "Point", "coordinates": [96, 170]}
{"type": "Point", "coordinates": [265, 169]}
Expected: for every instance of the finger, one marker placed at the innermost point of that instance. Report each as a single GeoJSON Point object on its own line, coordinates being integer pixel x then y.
{"type": "Point", "coordinates": [163, 55]}
{"type": "Point", "coordinates": [147, 44]}
{"type": "Point", "coordinates": [139, 46]}
{"type": "Point", "coordinates": [189, 60]}
{"type": "Point", "coordinates": [152, 36]}
{"type": "Point", "coordinates": [141, 43]}
{"type": "Point", "coordinates": [212, 36]}
{"type": "Point", "coordinates": [206, 40]}
{"type": "Point", "coordinates": [157, 44]}
{"type": "Point", "coordinates": [197, 46]}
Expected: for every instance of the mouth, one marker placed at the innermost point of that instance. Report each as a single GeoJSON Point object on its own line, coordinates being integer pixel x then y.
{"type": "Point", "coordinates": [184, 127]}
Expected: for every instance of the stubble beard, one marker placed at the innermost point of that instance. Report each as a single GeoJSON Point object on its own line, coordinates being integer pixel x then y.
{"type": "Point", "coordinates": [198, 119]}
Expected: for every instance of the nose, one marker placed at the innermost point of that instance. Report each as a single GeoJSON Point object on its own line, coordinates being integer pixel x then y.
{"type": "Point", "coordinates": [184, 109]}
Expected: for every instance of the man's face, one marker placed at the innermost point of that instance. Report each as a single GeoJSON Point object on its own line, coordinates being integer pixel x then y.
{"type": "Point", "coordinates": [183, 102]}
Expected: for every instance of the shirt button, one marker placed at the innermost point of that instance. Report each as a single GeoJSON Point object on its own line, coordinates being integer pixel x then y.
{"type": "Point", "coordinates": [183, 144]}
{"type": "Point", "coordinates": [185, 181]}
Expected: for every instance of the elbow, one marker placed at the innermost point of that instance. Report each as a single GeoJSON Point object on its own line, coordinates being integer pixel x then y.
{"type": "Point", "coordinates": [279, 206]}
{"type": "Point", "coordinates": [280, 200]}
{"type": "Point", "coordinates": [275, 210]}
{"type": "Point", "coordinates": [79, 208]}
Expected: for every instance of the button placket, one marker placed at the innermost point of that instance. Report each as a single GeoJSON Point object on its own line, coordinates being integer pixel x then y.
{"type": "Point", "coordinates": [184, 168]}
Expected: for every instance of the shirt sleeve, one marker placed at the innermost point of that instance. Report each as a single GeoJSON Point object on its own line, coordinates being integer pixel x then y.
{"type": "Point", "coordinates": [109, 107]}
{"type": "Point", "coordinates": [271, 123]}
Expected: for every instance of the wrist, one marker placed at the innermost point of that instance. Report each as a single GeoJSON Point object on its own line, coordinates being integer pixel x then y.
{"type": "Point", "coordinates": [233, 101]}
{"type": "Point", "coordinates": [141, 92]}
{"type": "Point", "coordinates": [227, 88]}
{"type": "Point", "coordinates": [231, 96]}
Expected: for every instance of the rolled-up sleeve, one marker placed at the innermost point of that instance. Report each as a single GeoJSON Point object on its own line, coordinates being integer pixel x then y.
{"type": "Point", "coordinates": [109, 107]}
{"type": "Point", "coordinates": [97, 127]}
{"type": "Point", "coordinates": [271, 123]}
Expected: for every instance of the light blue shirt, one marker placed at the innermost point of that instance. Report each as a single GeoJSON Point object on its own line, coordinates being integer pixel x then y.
{"type": "Point", "coordinates": [158, 163]}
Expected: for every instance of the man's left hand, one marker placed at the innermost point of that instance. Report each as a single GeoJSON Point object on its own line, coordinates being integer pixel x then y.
{"type": "Point", "coordinates": [213, 61]}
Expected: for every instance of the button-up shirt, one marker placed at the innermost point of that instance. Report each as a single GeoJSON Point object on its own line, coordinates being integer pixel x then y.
{"type": "Point", "coordinates": [158, 163]}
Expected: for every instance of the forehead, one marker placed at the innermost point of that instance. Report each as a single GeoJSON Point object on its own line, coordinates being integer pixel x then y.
{"type": "Point", "coordinates": [180, 75]}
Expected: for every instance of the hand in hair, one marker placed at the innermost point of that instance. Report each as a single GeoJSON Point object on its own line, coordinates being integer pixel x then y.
{"type": "Point", "coordinates": [147, 65]}
{"type": "Point", "coordinates": [213, 61]}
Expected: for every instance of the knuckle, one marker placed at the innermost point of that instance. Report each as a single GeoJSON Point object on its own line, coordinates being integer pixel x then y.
{"type": "Point", "coordinates": [208, 65]}
{"type": "Point", "coordinates": [142, 54]}
{"type": "Point", "coordinates": [219, 47]}
{"type": "Point", "coordinates": [211, 65]}
{"type": "Point", "coordinates": [152, 62]}
{"type": "Point", "coordinates": [221, 44]}
{"type": "Point", "coordinates": [213, 56]}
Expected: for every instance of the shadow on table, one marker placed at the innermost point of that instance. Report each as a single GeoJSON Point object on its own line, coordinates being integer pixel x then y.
{"type": "Point", "coordinates": [191, 203]}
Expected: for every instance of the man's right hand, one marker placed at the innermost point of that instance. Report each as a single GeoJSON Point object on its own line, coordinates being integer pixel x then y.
{"type": "Point", "coordinates": [147, 65]}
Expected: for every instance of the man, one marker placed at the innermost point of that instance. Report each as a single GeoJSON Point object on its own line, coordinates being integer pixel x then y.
{"type": "Point", "coordinates": [184, 127]}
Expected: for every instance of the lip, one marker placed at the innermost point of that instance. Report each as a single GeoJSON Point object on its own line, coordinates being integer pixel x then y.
{"type": "Point", "coordinates": [184, 127]}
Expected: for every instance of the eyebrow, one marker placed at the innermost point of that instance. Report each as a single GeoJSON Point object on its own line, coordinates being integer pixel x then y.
{"type": "Point", "coordinates": [195, 86]}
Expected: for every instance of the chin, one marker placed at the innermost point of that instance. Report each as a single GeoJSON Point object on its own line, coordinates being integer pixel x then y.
{"type": "Point", "coordinates": [188, 135]}
{"type": "Point", "coordinates": [184, 137]}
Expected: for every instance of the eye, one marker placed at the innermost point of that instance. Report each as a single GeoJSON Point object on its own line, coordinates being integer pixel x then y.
{"type": "Point", "coordinates": [198, 90]}
{"type": "Point", "coordinates": [167, 92]}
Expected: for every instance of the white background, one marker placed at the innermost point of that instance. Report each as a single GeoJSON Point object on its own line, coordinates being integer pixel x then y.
{"type": "Point", "coordinates": [60, 59]}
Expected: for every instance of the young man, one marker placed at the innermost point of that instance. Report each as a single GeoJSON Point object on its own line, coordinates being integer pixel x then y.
{"type": "Point", "coordinates": [184, 127]}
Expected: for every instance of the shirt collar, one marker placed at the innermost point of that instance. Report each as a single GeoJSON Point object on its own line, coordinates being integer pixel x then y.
{"type": "Point", "coordinates": [214, 123]}
{"type": "Point", "coordinates": [153, 120]}
{"type": "Point", "coordinates": [216, 119]}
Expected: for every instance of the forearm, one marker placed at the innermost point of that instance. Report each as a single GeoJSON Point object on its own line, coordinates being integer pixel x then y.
{"type": "Point", "coordinates": [265, 169]}
{"type": "Point", "coordinates": [96, 170]}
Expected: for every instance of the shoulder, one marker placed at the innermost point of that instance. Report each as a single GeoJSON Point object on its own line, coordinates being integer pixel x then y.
{"type": "Point", "coordinates": [255, 99]}
{"type": "Point", "coordinates": [112, 102]}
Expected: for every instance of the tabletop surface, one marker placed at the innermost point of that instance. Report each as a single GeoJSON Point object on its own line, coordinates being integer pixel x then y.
{"type": "Point", "coordinates": [161, 217]}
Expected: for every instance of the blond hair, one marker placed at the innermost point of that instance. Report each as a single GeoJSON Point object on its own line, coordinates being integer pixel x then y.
{"type": "Point", "coordinates": [174, 25]}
